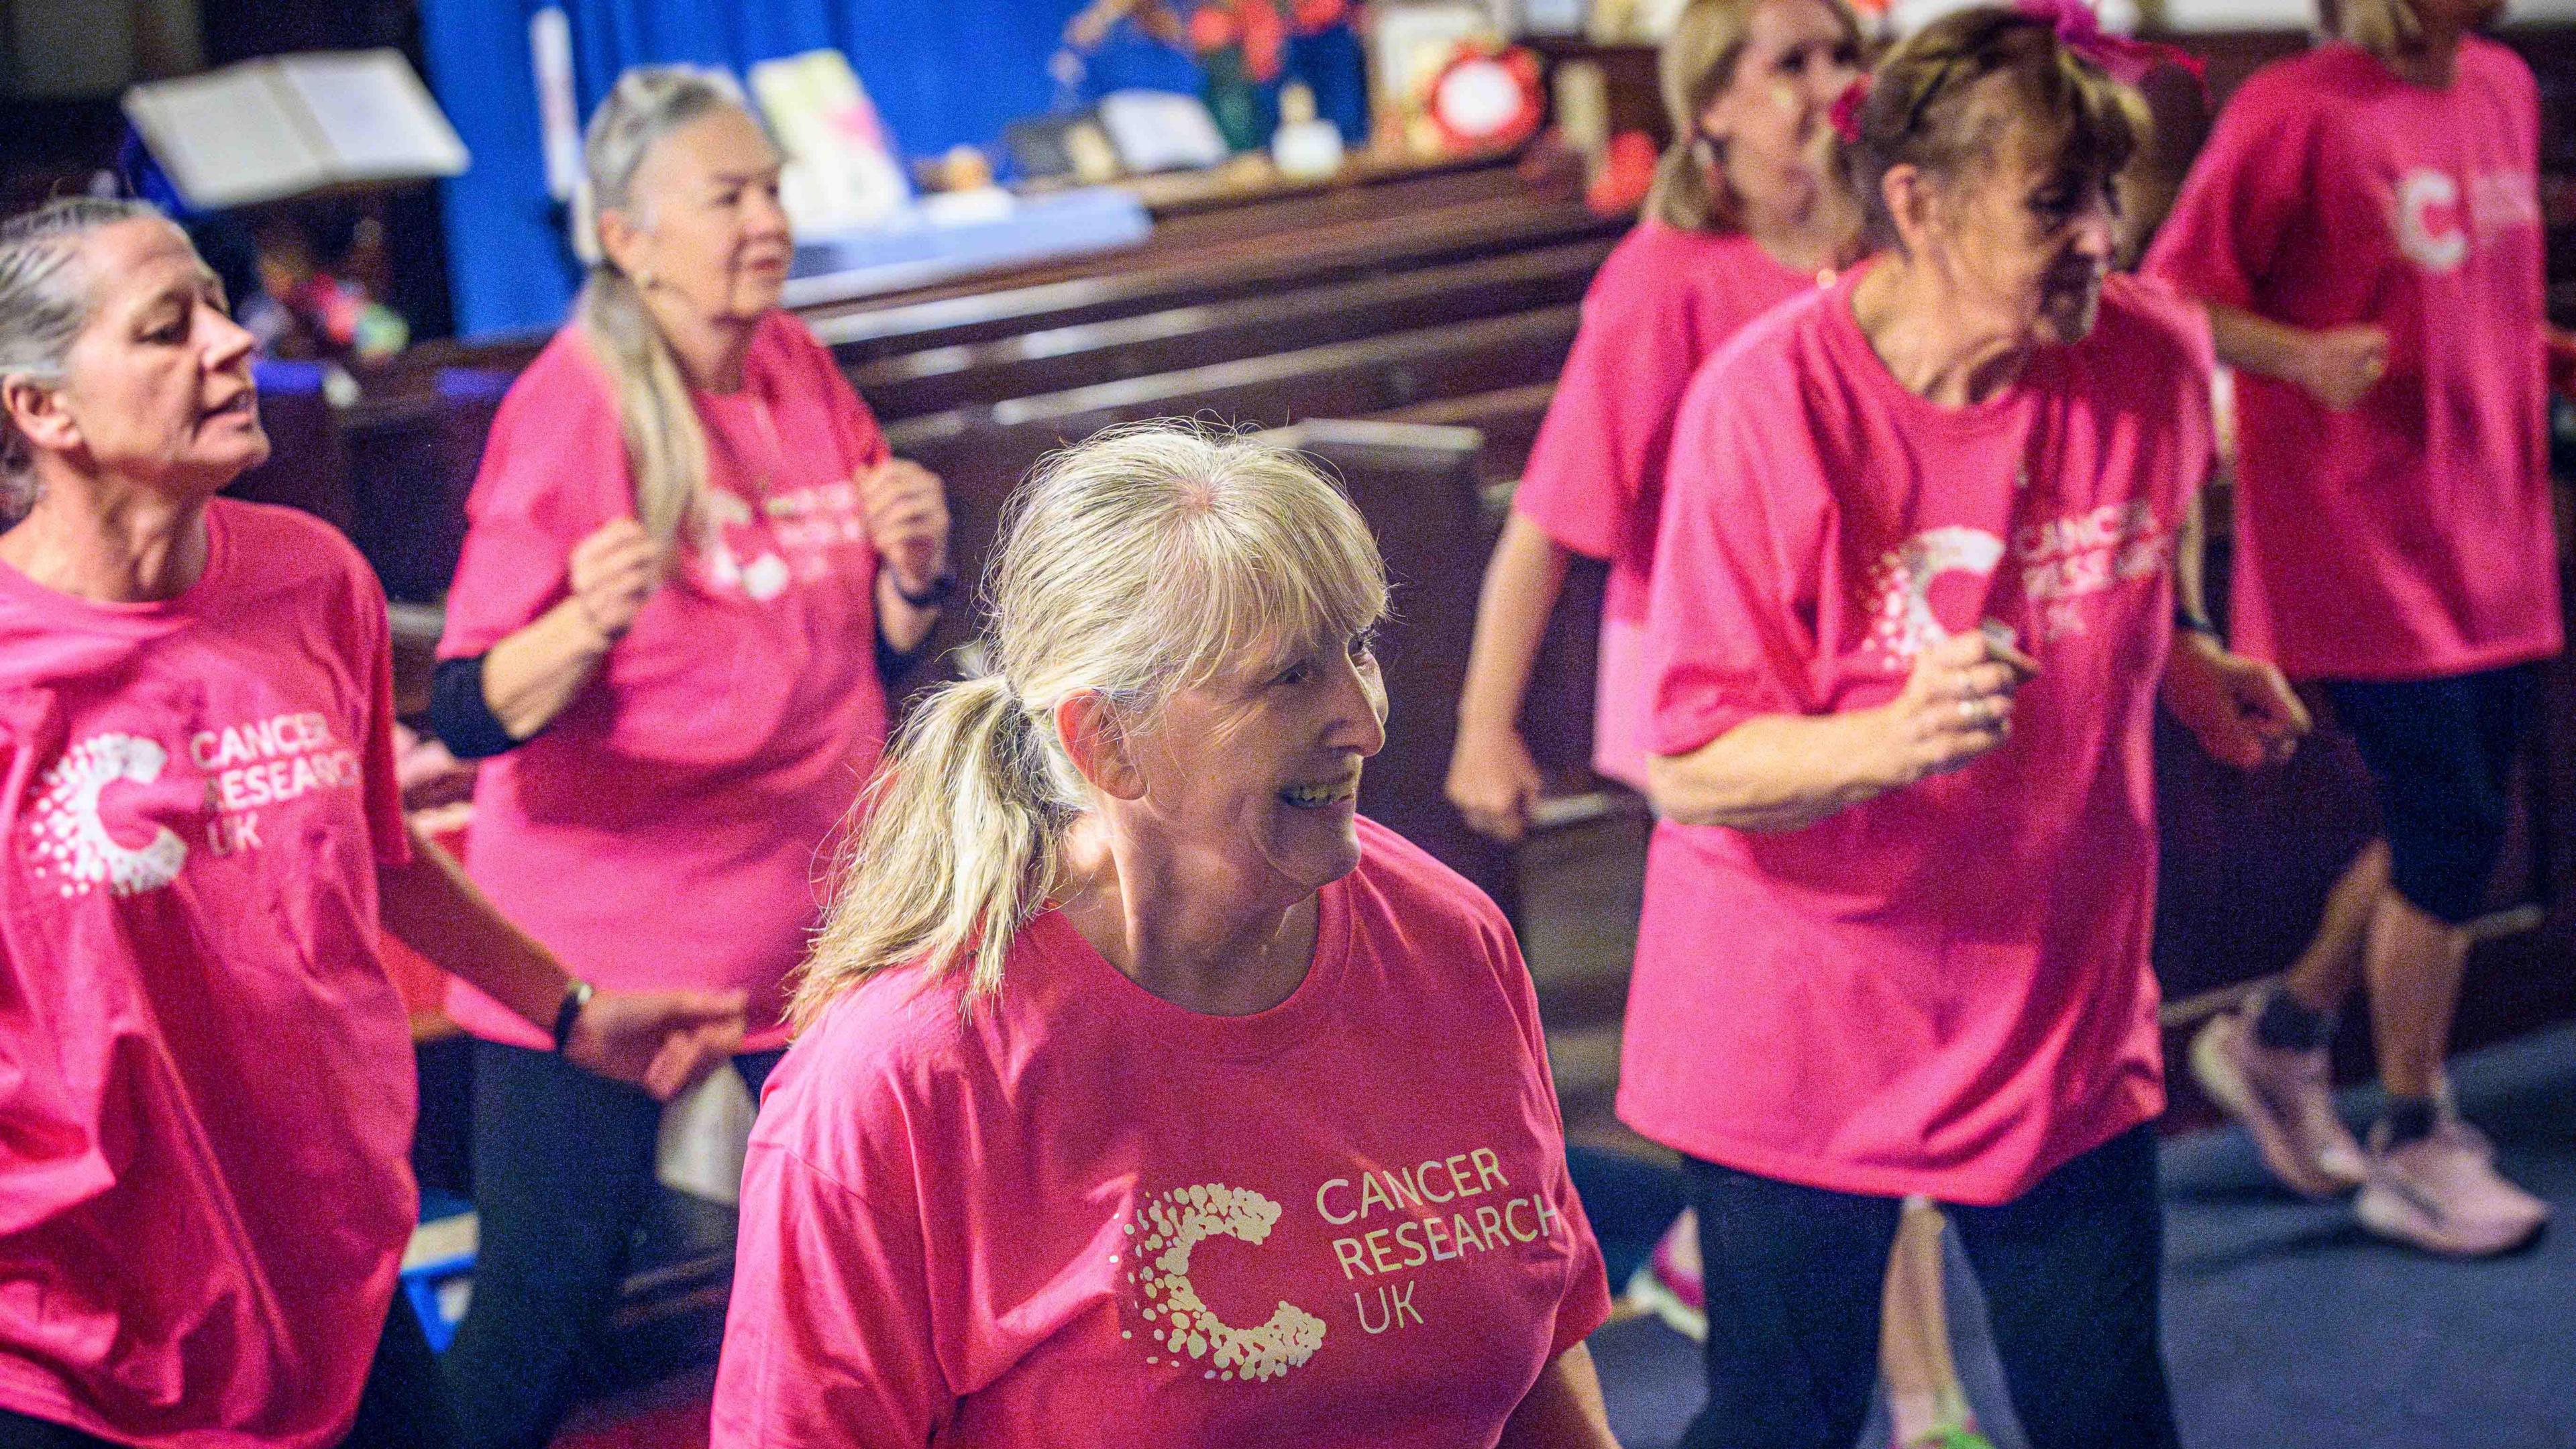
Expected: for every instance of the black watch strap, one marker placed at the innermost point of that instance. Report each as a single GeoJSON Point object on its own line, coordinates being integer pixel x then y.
{"type": "Point", "coordinates": [577, 994]}
{"type": "Point", "coordinates": [2193, 621]}
{"type": "Point", "coordinates": [931, 597]}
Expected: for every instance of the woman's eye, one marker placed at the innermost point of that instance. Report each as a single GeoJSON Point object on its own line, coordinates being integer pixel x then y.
{"type": "Point", "coordinates": [1363, 645]}
{"type": "Point", "coordinates": [1293, 674]}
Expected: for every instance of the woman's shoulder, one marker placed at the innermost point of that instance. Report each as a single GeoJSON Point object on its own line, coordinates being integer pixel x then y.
{"type": "Point", "coordinates": [2145, 315]}
{"type": "Point", "coordinates": [871, 1063]}
{"type": "Point", "coordinates": [269, 548]}
{"type": "Point", "coordinates": [1417, 889]}
{"type": "Point", "coordinates": [1660, 269]}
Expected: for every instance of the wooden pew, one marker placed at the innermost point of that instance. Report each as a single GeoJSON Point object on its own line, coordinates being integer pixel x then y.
{"type": "Point", "coordinates": [1084, 354]}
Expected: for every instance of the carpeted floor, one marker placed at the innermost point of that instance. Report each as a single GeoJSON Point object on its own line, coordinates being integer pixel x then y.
{"type": "Point", "coordinates": [2285, 1325]}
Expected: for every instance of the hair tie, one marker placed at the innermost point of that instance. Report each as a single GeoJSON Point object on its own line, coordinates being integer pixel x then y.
{"type": "Point", "coordinates": [1845, 115]}
{"type": "Point", "coordinates": [2123, 58]}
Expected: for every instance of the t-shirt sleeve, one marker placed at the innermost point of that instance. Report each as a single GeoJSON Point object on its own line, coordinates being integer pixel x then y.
{"type": "Point", "coordinates": [554, 472]}
{"type": "Point", "coordinates": [386, 829]}
{"type": "Point", "coordinates": [2224, 236]}
{"type": "Point", "coordinates": [1585, 1303]}
{"type": "Point", "coordinates": [863, 442]}
{"type": "Point", "coordinates": [1610, 422]}
{"type": "Point", "coordinates": [828, 1337]}
{"type": "Point", "coordinates": [1730, 628]}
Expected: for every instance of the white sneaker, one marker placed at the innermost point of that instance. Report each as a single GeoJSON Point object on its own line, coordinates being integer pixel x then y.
{"type": "Point", "coordinates": [2441, 1193]}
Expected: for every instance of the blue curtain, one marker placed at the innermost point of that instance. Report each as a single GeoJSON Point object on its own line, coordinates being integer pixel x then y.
{"type": "Point", "coordinates": [942, 72]}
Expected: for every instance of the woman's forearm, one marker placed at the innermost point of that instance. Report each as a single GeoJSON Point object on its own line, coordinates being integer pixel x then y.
{"type": "Point", "coordinates": [1520, 592]}
{"type": "Point", "coordinates": [2253, 343]}
{"type": "Point", "coordinates": [430, 906]}
{"type": "Point", "coordinates": [1563, 1410]}
{"type": "Point", "coordinates": [1775, 772]}
{"type": "Point", "coordinates": [533, 675]}
{"type": "Point", "coordinates": [900, 623]}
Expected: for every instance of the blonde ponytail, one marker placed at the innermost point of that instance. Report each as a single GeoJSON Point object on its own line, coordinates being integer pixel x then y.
{"type": "Point", "coordinates": [1148, 561]}
{"type": "Point", "coordinates": [958, 849]}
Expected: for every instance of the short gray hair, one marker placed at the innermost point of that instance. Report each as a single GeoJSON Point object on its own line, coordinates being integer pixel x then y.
{"type": "Point", "coordinates": [45, 301]}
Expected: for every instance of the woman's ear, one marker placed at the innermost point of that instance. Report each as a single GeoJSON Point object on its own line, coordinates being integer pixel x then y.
{"type": "Point", "coordinates": [36, 412]}
{"type": "Point", "coordinates": [1912, 202]}
{"type": "Point", "coordinates": [1097, 742]}
{"type": "Point", "coordinates": [625, 244]}
{"type": "Point", "coordinates": [1717, 118]}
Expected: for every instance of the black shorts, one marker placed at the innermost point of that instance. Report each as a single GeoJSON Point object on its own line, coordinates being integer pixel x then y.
{"type": "Point", "coordinates": [2441, 755]}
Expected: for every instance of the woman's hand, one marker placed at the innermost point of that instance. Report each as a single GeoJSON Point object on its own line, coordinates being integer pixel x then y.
{"type": "Point", "coordinates": [2340, 365]}
{"type": "Point", "coordinates": [1956, 706]}
{"type": "Point", "coordinates": [1494, 782]}
{"type": "Point", "coordinates": [907, 518]}
{"type": "Point", "coordinates": [2241, 710]}
{"type": "Point", "coordinates": [613, 572]}
{"type": "Point", "coordinates": [661, 1041]}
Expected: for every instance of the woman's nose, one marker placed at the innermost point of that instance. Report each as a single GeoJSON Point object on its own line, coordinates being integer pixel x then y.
{"type": "Point", "coordinates": [1359, 710]}
{"type": "Point", "coordinates": [227, 341]}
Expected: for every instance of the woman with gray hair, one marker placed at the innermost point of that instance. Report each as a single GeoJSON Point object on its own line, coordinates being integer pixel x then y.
{"type": "Point", "coordinates": [206, 1082]}
{"type": "Point", "coordinates": [1146, 1093]}
{"type": "Point", "coordinates": [689, 570]}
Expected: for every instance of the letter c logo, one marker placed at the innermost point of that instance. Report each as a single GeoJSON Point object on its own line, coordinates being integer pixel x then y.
{"type": "Point", "coordinates": [1165, 1231]}
{"type": "Point", "coordinates": [72, 839]}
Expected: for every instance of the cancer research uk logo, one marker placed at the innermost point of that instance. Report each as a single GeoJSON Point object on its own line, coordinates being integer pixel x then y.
{"type": "Point", "coordinates": [247, 769]}
{"type": "Point", "coordinates": [2060, 563]}
{"type": "Point", "coordinates": [2436, 222]}
{"type": "Point", "coordinates": [72, 844]}
{"type": "Point", "coordinates": [1392, 1229]}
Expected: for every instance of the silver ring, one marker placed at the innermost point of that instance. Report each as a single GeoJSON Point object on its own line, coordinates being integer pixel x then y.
{"type": "Point", "coordinates": [1973, 710]}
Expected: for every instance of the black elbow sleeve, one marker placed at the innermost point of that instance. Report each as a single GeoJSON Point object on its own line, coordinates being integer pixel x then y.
{"type": "Point", "coordinates": [460, 716]}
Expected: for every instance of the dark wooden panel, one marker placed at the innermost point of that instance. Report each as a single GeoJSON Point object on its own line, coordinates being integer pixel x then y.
{"type": "Point", "coordinates": [1176, 338]}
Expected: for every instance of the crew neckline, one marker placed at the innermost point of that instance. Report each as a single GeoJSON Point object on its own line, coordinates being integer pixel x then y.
{"type": "Point", "coordinates": [142, 616]}
{"type": "Point", "coordinates": [1259, 1033]}
{"type": "Point", "coordinates": [1861, 362]}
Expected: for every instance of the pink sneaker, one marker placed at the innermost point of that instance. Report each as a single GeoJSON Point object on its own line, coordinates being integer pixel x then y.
{"type": "Point", "coordinates": [1668, 1283]}
{"type": "Point", "coordinates": [2442, 1194]}
{"type": "Point", "coordinates": [2285, 1100]}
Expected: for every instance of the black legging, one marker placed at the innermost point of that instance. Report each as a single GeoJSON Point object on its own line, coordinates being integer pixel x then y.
{"type": "Point", "coordinates": [402, 1406]}
{"type": "Point", "coordinates": [563, 1171]}
{"type": "Point", "coordinates": [2071, 1271]}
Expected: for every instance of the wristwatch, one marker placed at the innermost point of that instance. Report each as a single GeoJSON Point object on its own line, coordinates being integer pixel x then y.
{"type": "Point", "coordinates": [577, 994]}
{"type": "Point", "coordinates": [931, 597]}
{"type": "Point", "coordinates": [2193, 621]}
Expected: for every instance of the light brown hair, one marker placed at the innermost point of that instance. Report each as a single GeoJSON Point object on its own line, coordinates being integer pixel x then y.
{"type": "Point", "coordinates": [1945, 98]}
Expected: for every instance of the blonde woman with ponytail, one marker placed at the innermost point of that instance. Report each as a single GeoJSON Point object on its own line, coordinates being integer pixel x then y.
{"type": "Point", "coordinates": [1747, 211]}
{"type": "Point", "coordinates": [691, 568]}
{"type": "Point", "coordinates": [1146, 1094]}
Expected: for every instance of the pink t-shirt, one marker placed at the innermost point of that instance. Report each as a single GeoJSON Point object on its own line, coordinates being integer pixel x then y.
{"type": "Point", "coordinates": [1946, 989]}
{"type": "Point", "coordinates": [2410, 537]}
{"type": "Point", "coordinates": [1664, 301]}
{"type": "Point", "coordinates": [206, 1080]}
{"type": "Point", "coordinates": [1085, 1216]}
{"type": "Point", "coordinates": [668, 830]}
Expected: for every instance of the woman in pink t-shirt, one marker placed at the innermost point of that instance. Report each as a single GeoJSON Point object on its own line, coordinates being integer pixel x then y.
{"type": "Point", "coordinates": [1746, 213]}
{"type": "Point", "coordinates": [206, 1108]}
{"type": "Point", "coordinates": [2365, 228]}
{"type": "Point", "coordinates": [689, 570]}
{"type": "Point", "coordinates": [1911, 615]}
{"type": "Point", "coordinates": [1147, 1094]}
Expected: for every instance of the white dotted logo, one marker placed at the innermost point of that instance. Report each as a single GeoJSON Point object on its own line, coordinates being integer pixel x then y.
{"type": "Point", "coordinates": [1899, 590]}
{"type": "Point", "coordinates": [70, 842]}
{"type": "Point", "coordinates": [1164, 1232]}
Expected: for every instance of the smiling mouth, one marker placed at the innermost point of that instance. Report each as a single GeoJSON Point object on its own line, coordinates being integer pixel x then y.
{"type": "Point", "coordinates": [240, 404]}
{"type": "Point", "coordinates": [1316, 797]}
